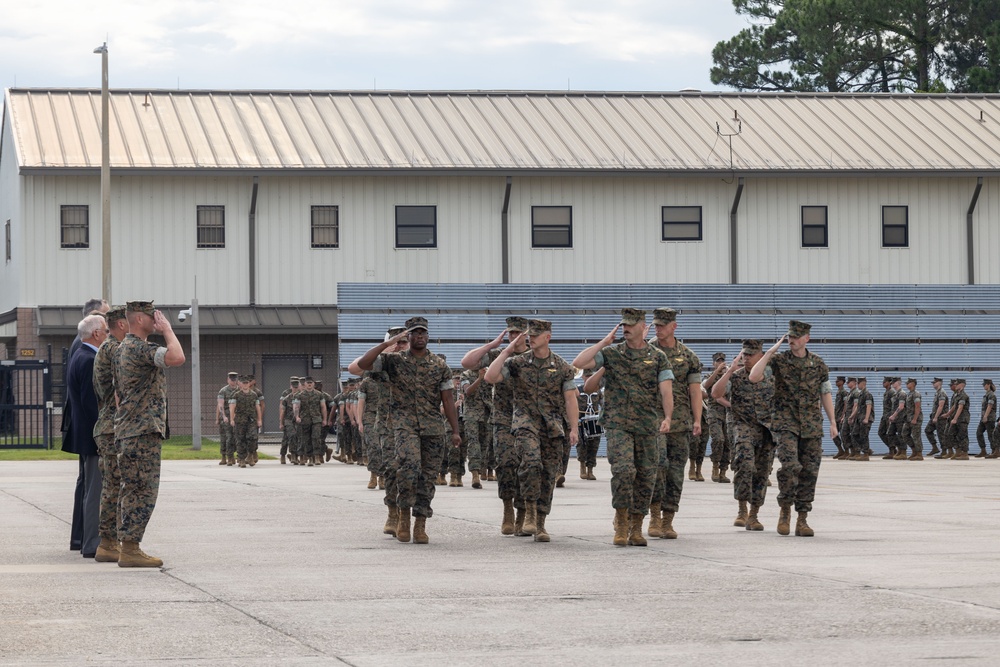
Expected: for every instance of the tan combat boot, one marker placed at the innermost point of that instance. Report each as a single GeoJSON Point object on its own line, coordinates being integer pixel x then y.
{"type": "Point", "coordinates": [309, 461]}
{"type": "Point", "coordinates": [243, 462]}
{"type": "Point", "coordinates": [453, 480]}
{"type": "Point", "coordinates": [373, 481]}
{"type": "Point", "coordinates": [995, 454]}
{"type": "Point", "coordinates": [403, 526]}
{"type": "Point", "coordinates": [753, 523]}
{"type": "Point", "coordinates": [715, 471]}
{"type": "Point", "coordinates": [667, 526]}
{"type": "Point", "coordinates": [491, 475]}
{"type": "Point", "coordinates": [741, 516]}
{"type": "Point", "coordinates": [655, 522]}
{"type": "Point", "coordinates": [420, 530]}
{"type": "Point", "coordinates": [722, 476]}
{"type": "Point", "coordinates": [507, 525]}
{"type": "Point", "coordinates": [329, 454]}
{"type": "Point", "coordinates": [591, 477]}
{"type": "Point", "coordinates": [583, 470]}
{"type": "Point", "coordinates": [691, 472]}
{"type": "Point", "coordinates": [697, 474]}
{"type": "Point", "coordinates": [900, 455]}
{"type": "Point", "coordinates": [107, 551]}
{"type": "Point", "coordinates": [391, 522]}
{"type": "Point", "coordinates": [440, 481]}
{"type": "Point", "coordinates": [892, 453]}
{"type": "Point", "coordinates": [530, 519]}
{"type": "Point", "coordinates": [560, 481]}
{"type": "Point", "coordinates": [784, 519]}
{"type": "Point", "coordinates": [132, 556]}
{"type": "Point", "coordinates": [802, 528]}
{"type": "Point", "coordinates": [621, 527]}
{"type": "Point", "coordinates": [232, 460]}
{"type": "Point", "coordinates": [519, 524]}
{"type": "Point", "coordinates": [381, 483]}
{"type": "Point", "coordinates": [224, 459]}
{"type": "Point", "coordinates": [476, 484]}
{"type": "Point", "coordinates": [541, 535]}
{"type": "Point", "coordinates": [635, 537]}
{"type": "Point", "coordinates": [960, 456]}
{"type": "Point", "coordinates": [282, 459]}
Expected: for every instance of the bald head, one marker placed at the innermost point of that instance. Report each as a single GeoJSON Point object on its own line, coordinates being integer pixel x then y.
{"type": "Point", "coordinates": [92, 329]}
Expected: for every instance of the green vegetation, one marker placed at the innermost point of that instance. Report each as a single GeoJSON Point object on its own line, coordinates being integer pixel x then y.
{"type": "Point", "coordinates": [174, 449]}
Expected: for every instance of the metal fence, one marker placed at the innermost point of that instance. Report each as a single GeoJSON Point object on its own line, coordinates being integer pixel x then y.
{"type": "Point", "coordinates": [25, 405]}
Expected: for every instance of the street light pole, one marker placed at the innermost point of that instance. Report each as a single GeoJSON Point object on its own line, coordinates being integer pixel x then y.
{"type": "Point", "coordinates": [196, 377]}
{"type": "Point", "coordinates": [105, 179]}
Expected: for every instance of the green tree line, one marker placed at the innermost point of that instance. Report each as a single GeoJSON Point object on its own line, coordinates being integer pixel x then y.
{"type": "Point", "coordinates": [863, 46]}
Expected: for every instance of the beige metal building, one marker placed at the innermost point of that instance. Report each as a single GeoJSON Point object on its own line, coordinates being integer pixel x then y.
{"type": "Point", "coordinates": [268, 199]}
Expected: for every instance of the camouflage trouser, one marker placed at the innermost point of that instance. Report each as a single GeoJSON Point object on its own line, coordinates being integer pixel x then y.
{"type": "Point", "coordinates": [508, 461]}
{"type": "Point", "coordinates": [111, 481]}
{"type": "Point", "coordinates": [698, 446]}
{"type": "Point", "coordinates": [754, 449]}
{"type": "Point", "coordinates": [860, 434]}
{"type": "Point", "coordinates": [287, 436]}
{"type": "Point", "coordinates": [586, 450]}
{"type": "Point", "coordinates": [722, 453]}
{"type": "Point", "coordinates": [477, 436]}
{"type": "Point", "coordinates": [916, 442]}
{"type": "Point", "coordinates": [489, 448]}
{"type": "Point", "coordinates": [944, 433]}
{"type": "Point", "coordinates": [139, 465]}
{"type": "Point", "coordinates": [984, 431]}
{"type": "Point", "coordinates": [845, 430]}
{"type": "Point", "coordinates": [373, 447]}
{"type": "Point", "coordinates": [344, 440]}
{"type": "Point", "coordinates": [893, 433]}
{"type": "Point", "coordinates": [883, 431]}
{"type": "Point", "coordinates": [245, 432]}
{"type": "Point", "coordinates": [227, 440]}
{"type": "Point", "coordinates": [455, 456]}
{"type": "Point", "coordinates": [541, 457]}
{"type": "Point", "coordinates": [312, 438]}
{"type": "Point", "coordinates": [566, 454]}
{"type": "Point", "coordinates": [418, 460]}
{"type": "Point", "coordinates": [634, 459]}
{"type": "Point", "coordinates": [388, 471]}
{"type": "Point", "coordinates": [958, 437]}
{"type": "Point", "coordinates": [800, 460]}
{"type": "Point", "coordinates": [674, 450]}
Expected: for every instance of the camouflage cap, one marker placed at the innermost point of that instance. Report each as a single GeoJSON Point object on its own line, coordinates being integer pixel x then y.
{"type": "Point", "coordinates": [937, 380]}
{"type": "Point", "coordinates": [416, 323]}
{"type": "Point", "coordinates": [308, 378]}
{"type": "Point", "coordinates": [852, 379]}
{"type": "Point", "coordinates": [395, 331]}
{"type": "Point", "coordinates": [245, 378]}
{"type": "Point", "coordinates": [751, 346]}
{"type": "Point", "coordinates": [911, 381]}
{"type": "Point", "coordinates": [140, 307]}
{"type": "Point", "coordinates": [294, 382]}
{"type": "Point", "coordinates": [797, 329]}
{"type": "Point", "coordinates": [860, 380]}
{"type": "Point", "coordinates": [987, 381]}
{"type": "Point", "coordinates": [887, 378]}
{"type": "Point", "coordinates": [518, 324]}
{"type": "Point", "coordinates": [115, 314]}
{"type": "Point", "coordinates": [632, 316]}
{"type": "Point", "coordinates": [444, 357]}
{"type": "Point", "coordinates": [959, 380]}
{"type": "Point", "coordinates": [841, 378]}
{"type": "Point", "coordinates": [664, 315]}
{"type": "Point", "coordinates": [719, 356]}
{"type": "Point", "coordinates": [232, 374]}
{"type": "Point", "coordinates": [536, 327]}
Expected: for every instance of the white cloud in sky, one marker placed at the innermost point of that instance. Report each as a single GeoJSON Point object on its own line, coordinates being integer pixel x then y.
{"type": "Point", "coordinates": [423, 44]}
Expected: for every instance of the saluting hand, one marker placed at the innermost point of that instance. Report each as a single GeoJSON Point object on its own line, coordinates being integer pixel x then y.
{"type": "Point", "coordinates": [496, 342]}
{"type": "Point", "coordinates": [520, 337]}
{"type": "Point", "coordinates": [160, 322]}
{"type": "Point", "coordinates": [610, 338]}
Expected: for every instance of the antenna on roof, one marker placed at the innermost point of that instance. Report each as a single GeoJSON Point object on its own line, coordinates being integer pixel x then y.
{"type": "Point", "coordinates": [729, 136]}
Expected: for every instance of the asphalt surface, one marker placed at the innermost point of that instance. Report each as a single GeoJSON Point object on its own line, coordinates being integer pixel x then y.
{"type": "Point", "coordinates": [286, 565]}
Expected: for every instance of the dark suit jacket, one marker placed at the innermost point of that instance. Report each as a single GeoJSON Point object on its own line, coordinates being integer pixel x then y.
{"type": "Point", "coordinates": [66, 408]}
{"type": "Point", "coordinates": [82, 398]}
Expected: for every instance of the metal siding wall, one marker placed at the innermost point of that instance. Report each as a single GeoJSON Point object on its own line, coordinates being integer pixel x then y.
{"type": "Point", "coordinates": [11, 187]}
{"type": "Point", "coordinates": [986, 226]}
{"type": "Point", "coordinates": [617, 233]}
{"type": "Point", "coordinates": [291, 272]}
{"type": "Point", "coordinates": [770, 231]}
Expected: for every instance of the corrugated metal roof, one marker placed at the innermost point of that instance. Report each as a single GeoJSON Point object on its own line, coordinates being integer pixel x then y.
{"type": "Point", "coordinates": [510, 131]}
{"type": "Point", "coordinates": [215, 320]}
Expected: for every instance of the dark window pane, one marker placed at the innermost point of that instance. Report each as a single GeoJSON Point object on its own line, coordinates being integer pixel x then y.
{"type": "Point", "coordinates": [552, 226]}
{"type": "Point", "coordinates": [894, 237]}
{"type": "Point", "coordinates": [211, 226]}
{"type": "Point", "coordinates": [814, 237]}
{"type": "Point", "coordinates": [74, 226]}
{"type": "Point", "coordinates": [677, 231]}
{"type": "Point", "coordinates": [547, 237]}
{"type": "Point", "coordinates": [415, 215]}
{"type": "Point", "coordinates": [325, 227]}
{"type": "Point", "coordinates": [415, 236]}
{"type": "Point", "coordinates": [416, 226]}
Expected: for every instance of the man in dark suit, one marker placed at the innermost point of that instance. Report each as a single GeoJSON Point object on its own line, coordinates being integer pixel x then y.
{"type": "Point", "coordinates": [79, 438]}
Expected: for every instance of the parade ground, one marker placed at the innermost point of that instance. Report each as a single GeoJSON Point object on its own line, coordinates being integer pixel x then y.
{"type": "Point", "coordinates": [287, 565]}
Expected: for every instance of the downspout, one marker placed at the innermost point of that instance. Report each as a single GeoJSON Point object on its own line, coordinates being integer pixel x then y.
{"type": "Point", "coordinates": [970, 241]}
{"type": "Point", "coordinates": [734, 275]}
{"type": "Point", "coordinates": [505, 236]}
{"type": "Point", "coordinates": [253, 244]}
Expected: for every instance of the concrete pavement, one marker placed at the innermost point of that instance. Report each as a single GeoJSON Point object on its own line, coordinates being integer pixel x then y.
{"type": "Point", "coordinates": [287, 565]}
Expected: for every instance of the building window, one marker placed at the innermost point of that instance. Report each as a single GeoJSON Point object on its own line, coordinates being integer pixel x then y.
{"type": "Point", "coordinates": [416, 226]}
{"type": "Point", "coordinates": [895, 227]}
{"type": "Point", "coordinates": [74, 226]}
{"type": "Point", "coordinates": [682, 223]}
{"type": "Point", "coordinates": [325, 227]}
{"type": "Point", "coordinates": [6, 233]}
{"type": "Point", "coordinates": [551, 226]}
{"type": "Point", "coordinates": [814, 227]}
{"type": "Point", "coordinates": [211, 226]}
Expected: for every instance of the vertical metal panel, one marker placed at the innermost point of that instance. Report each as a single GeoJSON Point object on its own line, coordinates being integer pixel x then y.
{"type": "Point", "coordinates": [617, 235]}
{"type": "Point", "coordinates": [770, 241]}
{"type": "Point", "coordinates": [291, 272]}
{"type": "Point", "coordinates": [10, 209]}
{"type": "Point", "coordinates": [986, 232]}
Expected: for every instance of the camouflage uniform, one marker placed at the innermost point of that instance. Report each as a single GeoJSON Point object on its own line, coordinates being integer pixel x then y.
{"type": "Point", "coordinates": [839, 404]}
{"type": "Point", "coordinates": [697, 446]}
{"type": "Point", "coordinates": [140, 426]}
{"type": "Point", "coordinates": [888, 400]}
{"type": "Point", "coordinates": [722, 447]}
{"type": "Point", "coordinates": [386, 441]}
{"type": "Point", "coordinates": [959, 433]}
{"type": "Point", "coordinates": [846, 426]}
{"type": "Point", "coordinates": [369, 390]}
{"type": "Point", "coordinates": [939, 425]}
{"type": "Point", "coordinates": [896, 427]}
{"type": "Point", "coordinates": [750, 419]}
{"type": "Point", "coordinates": [227, 442]}
{"type": "Point", "coordinates": [475, 418]}
{"type": "Point", "coordinates": [675, 447]}
{"type": "Point", "coordinates": [538, 422]}
{"type": "Point", "coordinates": [985, 428]}
{"type": "Point", "coordinates": [508, 457]}
{"type": "Point", "coordinates": [310, 422]}
{"type": "Point", "coordinates": [454, 457]}
{"type": "Point", "coordinates": [911, 431]}
{"type": "Point", "coordinates": [797, 425]}
{"type": "Point", "coordinates": [245, 422]}
{"type": "Point", "coordinates": [415, 385]}
{"type": "Point", "coordinates": [631, 418]}
{"type": "Point", "coordinates": [862, 431]}
{"type": "Point", "coordinates": [291, 432]}
{"type": "Point", "coordinates": [104, 437]}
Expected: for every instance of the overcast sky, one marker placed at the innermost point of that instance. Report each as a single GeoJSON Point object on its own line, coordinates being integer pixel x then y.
{"type": "Point", "coordinates": [386, 44]}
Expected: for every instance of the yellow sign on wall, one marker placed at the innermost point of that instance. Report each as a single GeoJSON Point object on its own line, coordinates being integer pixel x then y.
{"type": "Point", "coordinates": [26, 353]}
